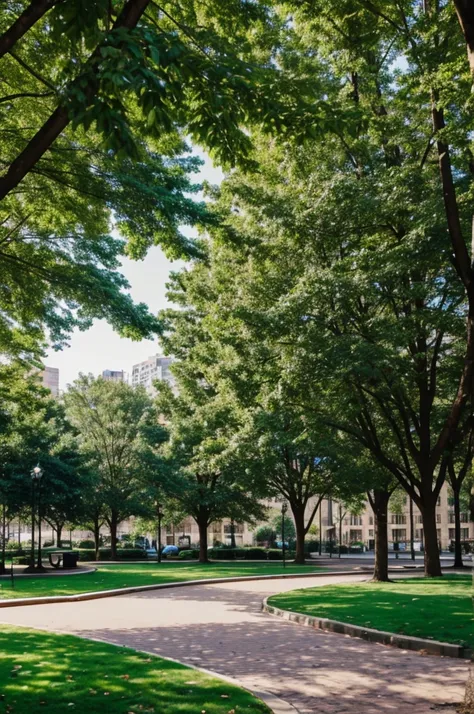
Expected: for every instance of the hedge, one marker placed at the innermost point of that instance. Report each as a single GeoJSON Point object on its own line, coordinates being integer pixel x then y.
{"type": "Point", "coordinates": [106, 554]}
{"type": "Point", "coordinates": [189, 554]}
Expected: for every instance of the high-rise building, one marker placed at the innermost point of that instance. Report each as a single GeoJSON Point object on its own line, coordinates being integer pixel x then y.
{"type": "Point", "coordinates": [111, 375]}
{"type": "Point", "coordinates": [50, 379]}
{"type": "Point", "coordinates": [154, 368]}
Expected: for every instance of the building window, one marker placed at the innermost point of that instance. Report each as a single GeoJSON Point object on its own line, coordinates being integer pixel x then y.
{"type": "Point", "coordinates": [451, 517]}
{"type": "Point", "coordinates": [398, 519]}
{"type": "Point", "coordinates": [371, 532]}
{"type": "Point", "coordinates": [418, 534]}
{"type": "Point", "coordinates": [399, 534]}
{"type": "Point", "coordinates": [355, 520]}
{"type": "Point", "coordinates": [439, 501]}
{"type": "Point", "coordinates": [464, 534]}
{"type": "Point", "coordinates": [355, 535]}
{"type": "Point", "coordinates": [418, 519]}
{"type": "Point", "coordinates": [438, 518]}
{"type": "Point", "coordinates": [464, 517]}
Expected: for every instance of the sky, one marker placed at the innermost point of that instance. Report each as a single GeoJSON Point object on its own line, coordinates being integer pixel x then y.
{"type": "Point", "coordinates": [100, 347]}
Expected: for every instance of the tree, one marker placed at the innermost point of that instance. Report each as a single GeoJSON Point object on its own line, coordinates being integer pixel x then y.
{"type": "Point", "coordinates": [208, 475]}
{"type": "Point", "coordinates": [111, 419]}
{"type": "Point", "coordinates": [458, 473]}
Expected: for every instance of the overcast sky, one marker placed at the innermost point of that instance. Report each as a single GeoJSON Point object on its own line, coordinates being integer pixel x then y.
{"type": "Point", "coordinates": [100, 347]}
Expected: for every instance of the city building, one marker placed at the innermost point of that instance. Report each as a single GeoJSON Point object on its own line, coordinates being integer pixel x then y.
{"type": "Point", "coordinates": [111, 375]}
{"type": "Point", "coordinates": [154, 368]}
{"type": "Point", "coordinates": [50, 379]}
{"type": "Point", "coordinates": [335, 522]}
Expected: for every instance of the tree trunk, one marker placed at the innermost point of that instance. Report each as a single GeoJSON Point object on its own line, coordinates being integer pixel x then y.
{"type": "Point", "coordinates": [457, 529]}
{"type": "Point", "coordinates": [96, 532]}
{"type": "Point", "coordinates": [432, 561]}
{"type": "Point", "coordinates": [113, 536]}
{"type": "Point", "coordinates": [59, 530]}
{"type": "Point", "coordinates": [202, 525]}
{"type": "Point", "coordinates": [298, 515]}
{"type": "Point", "coordinates": [379, 502]}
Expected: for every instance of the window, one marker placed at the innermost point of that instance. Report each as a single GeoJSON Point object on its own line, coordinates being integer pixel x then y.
{"type": "Point", "coordinates": [399, 534]}
{"type": "Point", "coordinates": [418, 519]}
{"type": "Point", "coordinates": [371, 520]}
{"type": "Point", "coordinates": [355, 520]}
{"type": "Point", "coordinates": [439, 501]}
{"type": "Point", "coordinates": [438, 518]}
{"type": "Point", "coordinates": [464, 517]}
{"type": "Point", "coordinates": [464, 534]}
{"type": "Point", "coordinates": [371, 532]}
{"type": "Point", "coordinates": [451, 517]}
{"type": "Point", "coordinates": [398, 519]}
{"type": "Point", "coordinates": [355, 535]}
{"type": "Point", "coordinates": [419, 534]}
{"type": "Point", "coordinates": [238, 528]}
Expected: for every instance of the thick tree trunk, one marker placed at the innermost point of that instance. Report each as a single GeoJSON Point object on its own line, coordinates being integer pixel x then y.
{"type": "Point", "coordinates": [432, 561]}
{"type": "Point", "coordinates": [59, 530]}
{"type": "Point", "coordinates": [298, 515]}
{"type": "Point", "coordinates": [202, 525]}
{"type": "Point", "coordinates": [457, 529]}
{"type": "Point", "coordinates": [379, 504]}
{"type": "Point", "coordinates": [465, 13]}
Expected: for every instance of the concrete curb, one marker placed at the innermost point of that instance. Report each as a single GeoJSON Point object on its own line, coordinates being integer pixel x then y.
{"type": "Point", "coordinates": [99, 594]}
{"type": "Point", "coordinates": [416, 644]}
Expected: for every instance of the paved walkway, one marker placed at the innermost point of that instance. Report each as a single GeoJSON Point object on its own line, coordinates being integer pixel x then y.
{"type": "Point", "coordinates": [221, 628]}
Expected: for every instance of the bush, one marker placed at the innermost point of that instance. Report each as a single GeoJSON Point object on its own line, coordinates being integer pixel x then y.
{"type": "Point", "coordinates": [106, 554]}
{"type": "Point", "coordinates": [311, 546]}
{"type": "Point", "coordinates": [255, 554]}
{"type": "Point", "coordinates": [222, 553]}
{"type": "Point", "coordinates": [189, 554]}
{"type": "Point", "coordinates": [88, 543]}
{"type": "Point", "coordinates": [275, 554]}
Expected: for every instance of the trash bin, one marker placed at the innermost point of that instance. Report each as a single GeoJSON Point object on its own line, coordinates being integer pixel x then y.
{"type": "Point", "coordinates": [70, 559]}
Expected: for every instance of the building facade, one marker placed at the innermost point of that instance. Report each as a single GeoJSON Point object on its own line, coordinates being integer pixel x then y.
{"type": "Point", "coordinates": [50, 379]}
{"type": "Point", "coordinates": [154, 368]}
{"type": "Point", "coordinates": [337, 524]}
{"type": "Point", "coordinates": [111, 375]}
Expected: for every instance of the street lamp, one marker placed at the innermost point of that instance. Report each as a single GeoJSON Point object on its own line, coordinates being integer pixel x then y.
{"type": "Point", "coordinates": [284, 508]}
{"type": "Point", "coordinates": [159, 514]}
{"type": "Point", "coordinates": [36, 475]}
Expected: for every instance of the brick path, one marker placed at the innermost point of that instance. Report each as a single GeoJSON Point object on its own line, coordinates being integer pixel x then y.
{"type": "Point", "coordinates": [221, 628]}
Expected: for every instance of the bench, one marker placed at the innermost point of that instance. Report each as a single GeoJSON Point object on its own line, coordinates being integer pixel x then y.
{"type": "Point", "coordinates": [68, 559]}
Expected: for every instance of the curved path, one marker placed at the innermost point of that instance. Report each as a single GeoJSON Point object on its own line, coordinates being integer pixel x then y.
{"type": "Point", "coordinates": [221, 628]}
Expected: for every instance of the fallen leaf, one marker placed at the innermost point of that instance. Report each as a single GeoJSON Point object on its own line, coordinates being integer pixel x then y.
{"type": "Point", "coordinates": [125, 676]}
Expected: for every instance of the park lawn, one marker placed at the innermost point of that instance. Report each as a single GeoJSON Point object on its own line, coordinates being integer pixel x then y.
{"type": "Point", "coordinates": [109, 577]}
{"type": "Point", "coordinates": [44, 672]}
{"type": "Point", "coordinates": [435, 608]}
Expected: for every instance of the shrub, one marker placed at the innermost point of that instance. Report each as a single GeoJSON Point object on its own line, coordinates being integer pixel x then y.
{"type": "Point", "coordinates": [311, 546]}
{"type": "Point", "coordinates": [222, 553]}
{"type": "Point", "coordinates": [274, 554]}
{"type": "Point", "coordinates": [87, 543]}
{"type": "Point", "coordinates": [106, 554]}
{"type": "Point", "coordinates": [255, 554]}
{"type": "Point", "coordinates": [189, 554]}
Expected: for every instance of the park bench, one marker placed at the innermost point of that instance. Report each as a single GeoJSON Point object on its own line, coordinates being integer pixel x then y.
{"type": "Point", "coordinates": [66, 559]}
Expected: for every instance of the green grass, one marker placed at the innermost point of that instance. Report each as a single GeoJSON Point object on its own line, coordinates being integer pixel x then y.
{"type": "Point", "coordinates": [434, 608]}
{"type": "Point", "coordinates": [42, 672]}
{"type": "Point", "coordinates": [108, 577]}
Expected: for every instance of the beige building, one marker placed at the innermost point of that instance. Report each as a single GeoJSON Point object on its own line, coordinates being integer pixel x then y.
{"type": "Point", "coordinates": [50, 379]}
{"type": "Point", "coordinates": [360, 528]}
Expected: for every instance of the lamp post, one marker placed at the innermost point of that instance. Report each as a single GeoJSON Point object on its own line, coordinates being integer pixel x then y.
{"type": "Point", "coordinates": [36, 476]}
{"type": "Point", "coordinates": [159, 514]}
{"type": "Point", "coordinates": [284, 508]}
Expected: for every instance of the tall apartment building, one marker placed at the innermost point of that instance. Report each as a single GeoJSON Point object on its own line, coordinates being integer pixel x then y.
{"type": "Point", "coordinates": [111, 375]}
{"type": "Point", "coordinates": [154, 368]}
{"type": "Point", "coordinates": [50, 379]}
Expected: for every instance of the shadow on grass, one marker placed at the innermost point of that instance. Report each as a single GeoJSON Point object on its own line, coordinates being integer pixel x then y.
{"type": "Point", "coordinates": [43, 672]}
{"type": "Point", "coordinates": [435, 608]}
